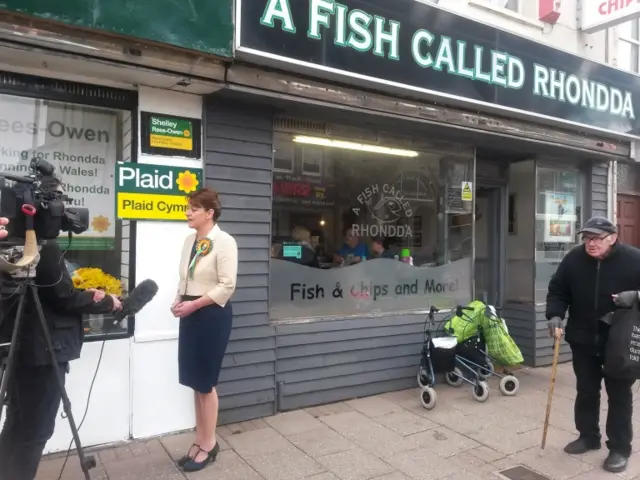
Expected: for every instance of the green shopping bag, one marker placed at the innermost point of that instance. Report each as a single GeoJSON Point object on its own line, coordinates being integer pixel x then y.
{"type": "Point", "coordinates": [465, 327]}
{"type": "Point", "coordinates": [500, 346]}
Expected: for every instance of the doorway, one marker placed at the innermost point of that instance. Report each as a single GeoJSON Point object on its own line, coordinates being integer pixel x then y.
{"type": "Point", "coordinates": [489, 257]}
{"type": "Point", "coordinates": [628, 217]}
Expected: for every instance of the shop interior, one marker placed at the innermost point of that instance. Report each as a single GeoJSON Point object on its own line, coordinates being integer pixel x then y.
{"type": "Point", "coordinates": [343, 199]}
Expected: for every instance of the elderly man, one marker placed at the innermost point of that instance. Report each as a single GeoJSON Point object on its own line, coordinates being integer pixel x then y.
{"type": "Point", "coordinates": [591, 281]}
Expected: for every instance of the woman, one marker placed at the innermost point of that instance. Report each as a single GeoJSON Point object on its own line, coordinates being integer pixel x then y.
{"type": "Point", "coordinates": [208, 270]}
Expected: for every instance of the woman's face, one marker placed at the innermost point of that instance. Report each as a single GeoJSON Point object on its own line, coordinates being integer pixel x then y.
{"type": "Point", "coordinates": [198, 217]}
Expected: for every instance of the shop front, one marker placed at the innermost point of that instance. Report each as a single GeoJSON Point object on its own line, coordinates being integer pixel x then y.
{"type": "Point", "coordinates": [380, 162]}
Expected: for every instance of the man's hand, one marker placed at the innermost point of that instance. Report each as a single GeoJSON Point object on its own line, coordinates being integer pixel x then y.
{"type": "Point", "coordinates": [3, 222]}
{"type": "Point", "coordinates": [117, 304]}
{"type": "Point", "coordinates": [556, 329]}
{"type": "Point", "coordinates": [626, 299]}
{"type": "Point", "coordinates": [98, 295]}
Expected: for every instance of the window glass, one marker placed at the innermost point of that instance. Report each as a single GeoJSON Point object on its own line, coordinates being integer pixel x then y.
{"type": "Point", "coordinates": [559, 197]}
{"type": "Point", "coordinates": [373, 230]}
{"type": "Point", "coordinates": [628, 46]}
{"type": "Point", "coordinates": [83, 144]}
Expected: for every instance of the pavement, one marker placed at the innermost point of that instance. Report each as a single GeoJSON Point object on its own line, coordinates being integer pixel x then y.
{"type": "Point", "coordinates": [384, 437]}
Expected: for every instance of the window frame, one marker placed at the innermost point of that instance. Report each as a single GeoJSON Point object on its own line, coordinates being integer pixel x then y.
{"type": "Point", "coordinates": [41, 88]}
{"type": "Point", "coordinates": [320, 171]}
{"type": "Point", "coordinates": [584, 205]}
{"type": "Point", "coordinates": [461, 150]}
{"type": "Point", "coordinates": [634, 41]}
{"type": "Point", "coordinates": [505, 4]}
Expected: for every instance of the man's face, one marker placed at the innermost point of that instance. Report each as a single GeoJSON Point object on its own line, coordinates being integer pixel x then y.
{"type": "Point", "coordinates": [351, 239]}
{"type": "Point", "coordinates": [598, 245]}
{"type": "Point", "coordinates": [377, 248]}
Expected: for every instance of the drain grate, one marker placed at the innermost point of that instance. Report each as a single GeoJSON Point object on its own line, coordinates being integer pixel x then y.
{"type": "Point", "coordinates": [522, 473]}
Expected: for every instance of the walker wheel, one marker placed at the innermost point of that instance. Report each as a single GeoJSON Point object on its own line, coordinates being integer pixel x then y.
{"type": "Point", "coordinates": [481, 392]}
{"type": "Point", "coordinates": [509, 386]}
{"type": "Point", "coordinates": [423, 378]}
{"type": "Point", "coordinates": [454, 377]}
{"type": "Point", "coordinates": [428, 397]}
{"type": "Point", "coordinates": [486, 371]}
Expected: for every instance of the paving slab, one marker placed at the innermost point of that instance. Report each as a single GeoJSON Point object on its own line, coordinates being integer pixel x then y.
{"type": "Point", "coordinates": [383, 437]}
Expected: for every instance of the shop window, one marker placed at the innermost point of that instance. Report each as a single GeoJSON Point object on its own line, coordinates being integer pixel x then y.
{"type": "Point", "coordinates": [375, 229]}
{"type": "Point", "coordinates": [83, 143]}
{"type": "Point", "coordinates": [559, 197]}
{"type": "Point", "coordinates": [628, 54]}
{"type": "Point", "coordinates": [283, 159]}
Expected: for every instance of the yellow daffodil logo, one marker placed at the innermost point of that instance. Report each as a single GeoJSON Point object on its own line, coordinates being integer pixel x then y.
{"type": "Point", "coordinates": [100, 224]}
{"type": "Point", "coordinates": [187, 133]}
{"type": "Point", "coordinates": [187, 182]}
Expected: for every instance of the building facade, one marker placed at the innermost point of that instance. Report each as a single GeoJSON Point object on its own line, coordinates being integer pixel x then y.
{"type": "Point", "coordinates": [460, 144]}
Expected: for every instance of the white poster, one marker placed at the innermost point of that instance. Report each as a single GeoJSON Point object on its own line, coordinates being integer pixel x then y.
{"type": "Point", "coordinates": [560, 217]}
{"type": "Point", "coordinates": [374, 286]}
{"type": "Point", "coordinates": [81, 142]}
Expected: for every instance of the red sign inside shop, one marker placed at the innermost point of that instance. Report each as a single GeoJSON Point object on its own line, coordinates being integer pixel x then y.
{"type": "Point", "coordinates": [286, 188]}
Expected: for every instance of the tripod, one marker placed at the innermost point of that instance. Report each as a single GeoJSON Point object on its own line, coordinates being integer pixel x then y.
{"type": "Point", "coordinates": [27, 288]}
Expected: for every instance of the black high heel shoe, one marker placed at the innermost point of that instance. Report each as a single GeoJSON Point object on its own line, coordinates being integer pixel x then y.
{"type": "Point", "coordinates": [193, 466]}
{"type": "Point", "coordinates": [186, 459]}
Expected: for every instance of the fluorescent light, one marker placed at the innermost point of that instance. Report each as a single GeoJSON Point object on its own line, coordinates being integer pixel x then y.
{"type": "Point", "coordinates": [362, 147]}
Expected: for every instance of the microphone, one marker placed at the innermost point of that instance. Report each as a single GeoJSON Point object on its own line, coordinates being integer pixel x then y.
{"type": "Point", "coordinates": [142, 294]}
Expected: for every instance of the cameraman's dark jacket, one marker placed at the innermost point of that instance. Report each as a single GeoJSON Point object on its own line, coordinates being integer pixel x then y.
{"type": "Point", "coordinates": [63, 307]}
{"type": "Point", "coordinates": [586, 285]}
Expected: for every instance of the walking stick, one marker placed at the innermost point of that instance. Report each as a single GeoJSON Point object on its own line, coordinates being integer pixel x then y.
{"type": "Point", "coordinates": [554, 370]}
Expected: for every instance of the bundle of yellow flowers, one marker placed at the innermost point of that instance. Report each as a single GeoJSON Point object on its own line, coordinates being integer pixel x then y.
{"type": "Point", "coordinates": [86, 278]}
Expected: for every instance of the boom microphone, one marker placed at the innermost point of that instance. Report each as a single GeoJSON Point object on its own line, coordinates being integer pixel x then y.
{"type": "Point", "coordinates": [137, 299]}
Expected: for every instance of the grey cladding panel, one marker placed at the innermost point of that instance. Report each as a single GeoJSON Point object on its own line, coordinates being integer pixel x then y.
{"type": "Point", "coordinates": [243, 161]}
{"type": "Point", "coordinates": [238, 165]}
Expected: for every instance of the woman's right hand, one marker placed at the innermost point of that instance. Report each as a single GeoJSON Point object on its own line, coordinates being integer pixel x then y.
{"type": "Point", "coordinates": [173, 306]}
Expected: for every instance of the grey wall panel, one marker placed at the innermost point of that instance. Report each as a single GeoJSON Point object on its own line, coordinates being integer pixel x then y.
{"type": "Point", "coordinates": [238, 158]}
{"type": "Point", "coordinates": [599, 174]}
{"type": "Point", "coordinates": [520, 318]}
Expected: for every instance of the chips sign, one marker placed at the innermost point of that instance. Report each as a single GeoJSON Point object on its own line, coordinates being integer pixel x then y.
{"type": "Point", "coordinates": [154, 192]}
{"type": "Point", "coordinates": [597, 15]}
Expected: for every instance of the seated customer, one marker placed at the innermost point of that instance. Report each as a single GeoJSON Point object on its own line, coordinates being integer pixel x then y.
{"type": "Point", "coordinates": [308, 255]}
{"type": "Point", "coordinates": [378, 249]}
{"type": "Point", "coordinates": [352, 251]}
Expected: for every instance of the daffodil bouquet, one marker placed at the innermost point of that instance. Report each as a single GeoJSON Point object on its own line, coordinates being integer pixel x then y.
{"type": "Point", "coordinates": [86, 278]}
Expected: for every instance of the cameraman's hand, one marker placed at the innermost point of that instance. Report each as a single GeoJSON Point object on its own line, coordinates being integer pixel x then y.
{"type": "Point", "coordinates": [3, 221]}
{"type": "Point", "coordinates": [98, 295]}
{"type": "Point", "coordinates": [117, 304]}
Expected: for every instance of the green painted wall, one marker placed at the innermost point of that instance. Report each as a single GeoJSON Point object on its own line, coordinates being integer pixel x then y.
{"type": "Point", "coordinates": [203, 25]}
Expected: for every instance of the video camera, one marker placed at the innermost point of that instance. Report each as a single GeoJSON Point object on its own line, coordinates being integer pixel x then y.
{"type": "Point", "coordinates": [39, 198]}
{"type": "Point", "coordinates": [35, 207]}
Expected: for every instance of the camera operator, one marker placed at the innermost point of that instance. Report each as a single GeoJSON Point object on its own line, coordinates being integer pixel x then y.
{"type": "Point", "coordinates": [34, 394]}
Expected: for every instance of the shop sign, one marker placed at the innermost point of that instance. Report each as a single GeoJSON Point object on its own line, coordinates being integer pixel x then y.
{"type": "Point", "coordinates": [426, 49]}
{"type": "Point", "coordinates": [380, 285]}
{"type": "Point", "coordinates": [154, 192]}
{"type": "Point", "coordinates": [300, 191]}
{"type": "Point", "coordinates": [600, 14]}
{"type": "Point", "coordinates": [170, 136]}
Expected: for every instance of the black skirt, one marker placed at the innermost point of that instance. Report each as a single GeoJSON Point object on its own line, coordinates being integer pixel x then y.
{"type": "Point", "coordinates": [203, 340]}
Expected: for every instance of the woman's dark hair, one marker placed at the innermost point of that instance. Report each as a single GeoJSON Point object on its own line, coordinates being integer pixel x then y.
{"type": "Point", "coordinates": [208, 199]}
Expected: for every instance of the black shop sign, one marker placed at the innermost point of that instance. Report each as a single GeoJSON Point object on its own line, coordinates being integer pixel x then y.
{"type": "Point", "coordinates": [407, 44]}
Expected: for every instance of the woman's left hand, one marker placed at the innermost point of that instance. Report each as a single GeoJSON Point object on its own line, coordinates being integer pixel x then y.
{"type": "Point", "coordinates": [184, 309]}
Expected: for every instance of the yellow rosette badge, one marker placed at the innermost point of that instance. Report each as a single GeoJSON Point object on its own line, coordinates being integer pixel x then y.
{"type": "Point", "coordinates": [187, 182]}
